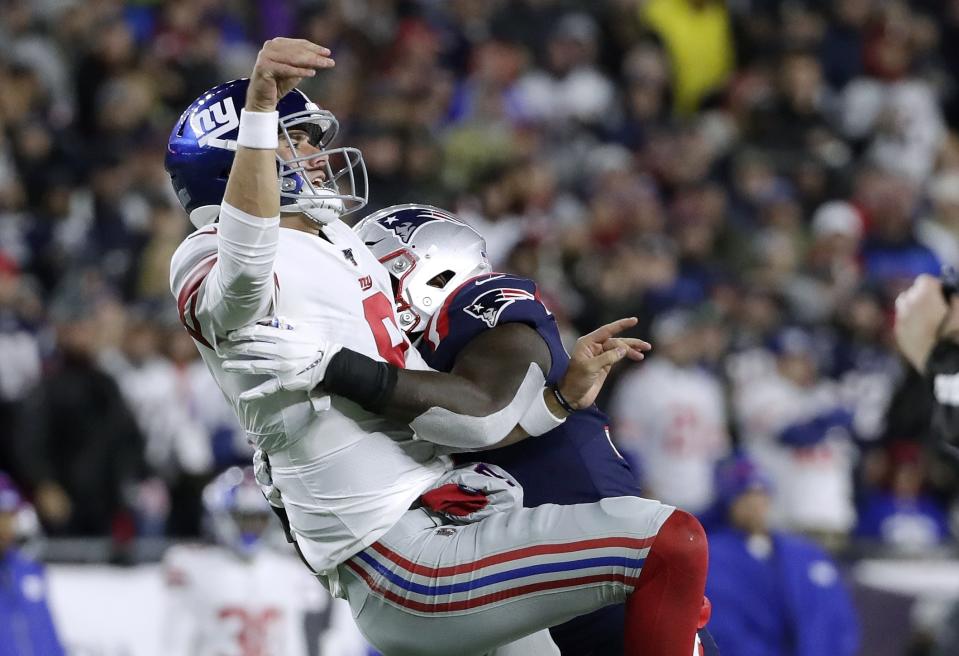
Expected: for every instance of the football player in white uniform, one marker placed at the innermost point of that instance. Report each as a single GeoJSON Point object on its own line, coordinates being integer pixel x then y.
{"type": "Point", "coordinates": [432, 560]}
{"type": "Point", "coordinates": [242, 597]}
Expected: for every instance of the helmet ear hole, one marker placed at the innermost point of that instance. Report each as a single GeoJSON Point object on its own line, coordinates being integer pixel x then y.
{"type": "Point", "coordinates": [439, 280]}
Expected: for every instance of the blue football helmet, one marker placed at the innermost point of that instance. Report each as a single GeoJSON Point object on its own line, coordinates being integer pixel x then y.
{"type": "Point", "coordinates": [237, 514]}
{"type": "Point", "coordinates": [203, 143]}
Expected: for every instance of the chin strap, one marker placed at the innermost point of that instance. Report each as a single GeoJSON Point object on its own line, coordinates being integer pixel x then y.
{"type": "Point", "coordinates": [317, 210]}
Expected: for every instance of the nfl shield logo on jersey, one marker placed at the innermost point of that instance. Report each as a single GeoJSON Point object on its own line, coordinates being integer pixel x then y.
{"type": "Point", "coordinates": [489, 306]}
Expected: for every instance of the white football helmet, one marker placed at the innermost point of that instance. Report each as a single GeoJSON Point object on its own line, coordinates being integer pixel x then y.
{"type": "Point", "coordinates": [428, 252]}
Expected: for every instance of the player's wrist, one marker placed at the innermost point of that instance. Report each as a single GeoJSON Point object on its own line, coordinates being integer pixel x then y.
{"type": "Point", "coordinates": [259, 129]}
{"type": "Point", "coordinates": [557, 402]}
{"type": "Point", "coordinates": [543, 415]}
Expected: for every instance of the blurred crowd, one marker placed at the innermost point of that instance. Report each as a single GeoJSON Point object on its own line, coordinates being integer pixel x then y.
{"type": "Point", "coordinates": [755, 179]}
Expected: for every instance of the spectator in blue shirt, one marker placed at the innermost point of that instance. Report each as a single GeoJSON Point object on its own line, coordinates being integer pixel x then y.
{"type": "Point", "coordinates": [773, 594]}
{"type": "Point", "coordinates": [26, 626]}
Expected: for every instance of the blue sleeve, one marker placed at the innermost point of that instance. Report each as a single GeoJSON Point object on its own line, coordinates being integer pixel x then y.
{"type": "Point", "coordinates": [35, 631]}
{"type": "Point", "coordinates": [481, 304]}
{"type": "Point", "coordinates": [811, 432]}
{"type": "Point", "coordinates": [825, 621]}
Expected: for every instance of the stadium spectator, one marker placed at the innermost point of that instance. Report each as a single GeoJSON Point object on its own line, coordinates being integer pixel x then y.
{"type": "Point", "coordinates": [698, 38]}
{"type": "Point", "coordinates": [26, 626]}
{"type": "Point", "coordinates": [670, 417]}
{"type": "Point", "coordinates": [900, 514]}
{"type": "Point", "coordinates": [79, 447]}
{"type": "Point", "coordinates": [793, 423]}
{"type": "Point", "coordinates": [772, 592]}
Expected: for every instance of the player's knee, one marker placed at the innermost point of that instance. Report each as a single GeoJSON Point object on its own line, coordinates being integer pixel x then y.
{"type": "Point", "coordinates": [681, 542]}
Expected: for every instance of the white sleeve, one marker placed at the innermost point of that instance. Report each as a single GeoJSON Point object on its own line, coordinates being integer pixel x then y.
{"type": "Point", "coordinates": [232, 286]}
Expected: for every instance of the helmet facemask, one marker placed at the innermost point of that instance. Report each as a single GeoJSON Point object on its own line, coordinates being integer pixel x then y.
{"type": "Point", "coordinates": [344, 185]}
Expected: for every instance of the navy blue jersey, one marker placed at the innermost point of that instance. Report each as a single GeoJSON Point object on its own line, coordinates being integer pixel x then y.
{"type": "Point", "coordinates": [574, 463]}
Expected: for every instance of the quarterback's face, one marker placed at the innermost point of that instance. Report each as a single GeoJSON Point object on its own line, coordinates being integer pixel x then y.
{"type": "Point", "coordinates": [303, 146]}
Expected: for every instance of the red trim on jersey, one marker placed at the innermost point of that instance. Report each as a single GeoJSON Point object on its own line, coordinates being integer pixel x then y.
{"type": "Point", "coordinates": [455, 500]}
{"type": "Point", "coordinates": [186, 299]}
{"type": "Point", "coordinates": [507, 556]}
{"type": "Point", "coordinates": [493, 597]}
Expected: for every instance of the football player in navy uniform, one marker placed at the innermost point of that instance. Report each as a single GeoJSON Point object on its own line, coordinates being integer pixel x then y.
{"type": "Point", "coordinates": [466, 319]}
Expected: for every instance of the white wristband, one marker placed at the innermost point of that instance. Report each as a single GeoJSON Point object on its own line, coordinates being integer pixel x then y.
{"type": "Point", "coordinates": [538, 419]}
{"type": "Point", "coordinates": [259, 130]}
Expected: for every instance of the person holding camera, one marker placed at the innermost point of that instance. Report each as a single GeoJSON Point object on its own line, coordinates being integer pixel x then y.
{"type": "Point", "coordinates": [927, 333]}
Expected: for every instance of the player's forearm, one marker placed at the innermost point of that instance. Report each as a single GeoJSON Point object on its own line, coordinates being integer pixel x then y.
{"type": "Point", "coordinates": [442, 408]}
{"type": "Point", "coordinates": [496, 386]}
{"type": "Point", "coordinates": [418, 391]}
{"type": "Point", "coordinates": [253, 186]}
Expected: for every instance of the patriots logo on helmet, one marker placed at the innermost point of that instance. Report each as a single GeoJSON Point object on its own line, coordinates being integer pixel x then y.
{"type": "Point", "coordinates": [489, 306]}
{"type": "Point", "coordinates": [406, 227]}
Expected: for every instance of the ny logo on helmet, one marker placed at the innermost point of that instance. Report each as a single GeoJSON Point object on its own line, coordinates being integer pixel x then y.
{"type": "Point", "coordinates": [213, 122]}
{"type": "Point", "coordinates": [406, 227]}
{"type": "Point", "coordinates": [489, 306]}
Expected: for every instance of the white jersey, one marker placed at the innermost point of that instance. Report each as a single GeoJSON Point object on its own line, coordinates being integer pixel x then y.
{"type": "Point", "coordinates": [812, 484]}
{"type": "Point", "coordinates": [219, 604]}
{"type": "Point", "coordinates": [674, 420]}
{"type": "Point", "coordinates": [347, 475]}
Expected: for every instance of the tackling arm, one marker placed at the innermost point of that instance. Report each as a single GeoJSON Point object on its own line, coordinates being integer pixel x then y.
{"type": "Point", "coordinates": [489, 373]}
{"type": "Point", "coordinates": [503, 366]}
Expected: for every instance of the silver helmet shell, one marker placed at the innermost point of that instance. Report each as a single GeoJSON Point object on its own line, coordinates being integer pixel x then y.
{"type": "Point", "coordinates": [428, 253]}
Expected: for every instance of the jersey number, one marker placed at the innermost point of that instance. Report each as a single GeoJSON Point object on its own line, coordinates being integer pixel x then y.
{"type": "Point", "coordinates": [252, 629]}
{"type": "Point", "coordinates": [391, 343]}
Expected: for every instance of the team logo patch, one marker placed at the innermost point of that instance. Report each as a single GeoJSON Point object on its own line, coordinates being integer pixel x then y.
{"type": "Point", "coordinates": [212, 123]}
{"type": "Point", "coordinates": [406, 227]}
{"type": "Point", "coordinates": [489, 306]}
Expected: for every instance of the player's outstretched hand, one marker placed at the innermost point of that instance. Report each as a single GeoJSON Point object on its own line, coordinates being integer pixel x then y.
{"type": "Point", "coordinates": [296, 360]}
{"type": "Point", "coordinates": [280, 65]}
{"type": "Point", "coordinates": [593, 357]}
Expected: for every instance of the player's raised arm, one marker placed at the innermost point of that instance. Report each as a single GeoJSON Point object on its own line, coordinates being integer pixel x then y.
{"type": "Point", "coordinates": [222, 276]}
{"type": "Point", "coordinates": [253, 186]}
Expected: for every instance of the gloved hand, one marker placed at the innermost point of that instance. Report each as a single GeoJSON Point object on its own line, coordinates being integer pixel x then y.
{"type": "Point", "coordinates": [297, 360]}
